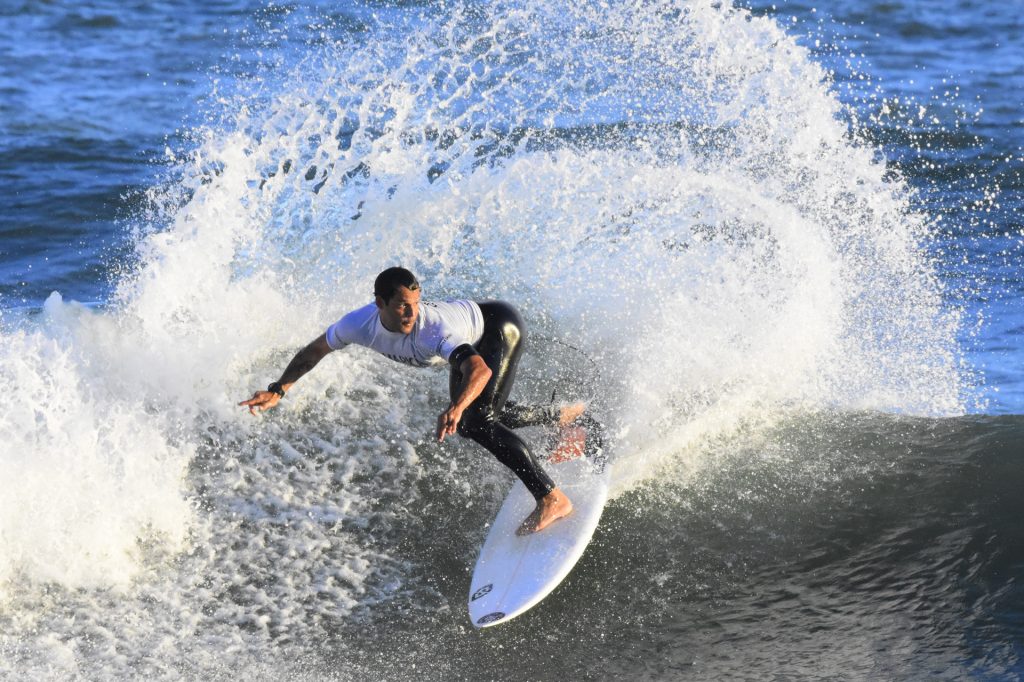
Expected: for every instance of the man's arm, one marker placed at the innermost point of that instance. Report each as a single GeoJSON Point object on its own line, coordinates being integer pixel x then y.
{"type": "Point", "coordinates": [475, 375]}
{"type": "Point", "coordinates": [305, 360]}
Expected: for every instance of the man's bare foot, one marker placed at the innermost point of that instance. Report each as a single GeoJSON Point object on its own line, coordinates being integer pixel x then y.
{"type": "Point", "coordinates": [570, 413]}
{"type": "Point", "coordinates": [550, 508]}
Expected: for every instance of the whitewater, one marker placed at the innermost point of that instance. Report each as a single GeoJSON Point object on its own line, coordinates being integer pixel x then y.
{"type": "Point", "coordinates": [705, 244]}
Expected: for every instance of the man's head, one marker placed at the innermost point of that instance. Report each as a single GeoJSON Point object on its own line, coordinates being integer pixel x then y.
{"type": "Point", "coordinates": [397, 295]}
{"type": "Point", "coordinates": [388, 282]}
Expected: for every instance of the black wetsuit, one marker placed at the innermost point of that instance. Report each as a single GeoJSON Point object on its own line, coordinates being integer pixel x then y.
{"type": "Point", "coordinates": [490, 418]}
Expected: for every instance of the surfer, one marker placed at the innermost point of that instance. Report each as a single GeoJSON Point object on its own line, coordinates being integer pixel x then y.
{"type": "Point", "coordinates": [481, 342]}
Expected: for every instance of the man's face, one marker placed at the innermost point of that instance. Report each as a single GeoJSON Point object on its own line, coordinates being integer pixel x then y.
{"type": "Point", "coordinates": [400, 313]}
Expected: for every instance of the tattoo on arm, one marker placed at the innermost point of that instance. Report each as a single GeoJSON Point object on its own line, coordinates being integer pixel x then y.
{"type": "Point", "coordinates": [305, 360]}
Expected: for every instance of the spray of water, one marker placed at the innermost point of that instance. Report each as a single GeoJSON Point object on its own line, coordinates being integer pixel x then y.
{"type": "Point", "coordinates": [666, 186]}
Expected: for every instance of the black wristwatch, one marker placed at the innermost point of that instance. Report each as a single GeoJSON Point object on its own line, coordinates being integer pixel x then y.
{"type": "Point", "coordinates": [276, 388]}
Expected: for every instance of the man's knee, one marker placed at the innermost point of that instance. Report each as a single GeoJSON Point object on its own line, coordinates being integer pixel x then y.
{"type": "Point", "coordinates": [474, 424]}
{"type": "Point", "coordinates": [464, 429]}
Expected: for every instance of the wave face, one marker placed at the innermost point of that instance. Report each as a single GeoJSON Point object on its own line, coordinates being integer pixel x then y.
{"type": "Point", "coordinates": [668, 192]}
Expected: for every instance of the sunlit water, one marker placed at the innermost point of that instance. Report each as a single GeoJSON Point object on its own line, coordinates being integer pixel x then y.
{"type": "Point", "coordinates": [781, 271]}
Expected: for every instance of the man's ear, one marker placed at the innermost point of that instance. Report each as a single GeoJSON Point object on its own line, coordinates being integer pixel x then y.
{"type": "Point", "coordinates": [379, 301]}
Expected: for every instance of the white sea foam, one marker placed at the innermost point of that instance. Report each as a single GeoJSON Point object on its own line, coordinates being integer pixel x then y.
{"type": "Point", "coordinates": [664, 186]}
{"type": "Point", "coordinates": [89, 471]}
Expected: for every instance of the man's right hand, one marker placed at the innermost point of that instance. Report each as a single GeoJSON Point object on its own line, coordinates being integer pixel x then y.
{"type": "Point", "coordinates": [261, 400]}
{"type": "Point", "coordinates": [305, 360]}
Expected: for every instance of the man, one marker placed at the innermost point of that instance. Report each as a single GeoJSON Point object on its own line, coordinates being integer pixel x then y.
{"type": "Point", "coordinates": [481, 342]}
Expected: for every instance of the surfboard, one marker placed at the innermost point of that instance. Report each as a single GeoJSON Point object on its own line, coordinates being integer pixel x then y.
{"type": "Point", "coordinates": [514, 573]}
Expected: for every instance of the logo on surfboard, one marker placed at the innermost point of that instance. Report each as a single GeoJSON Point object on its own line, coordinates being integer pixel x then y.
{"type": "Point", "coordinates": [490, 618]}
{"type": "Point", "coordinates": [482, 591]}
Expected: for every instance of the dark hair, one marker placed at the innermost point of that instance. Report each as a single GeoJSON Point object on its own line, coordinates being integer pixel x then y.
{"type": "Point", "coordinates": [387, 282]}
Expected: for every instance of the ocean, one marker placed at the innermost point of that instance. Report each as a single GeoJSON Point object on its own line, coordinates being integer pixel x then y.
{"type": "Point", "coordinates": [776, 246]}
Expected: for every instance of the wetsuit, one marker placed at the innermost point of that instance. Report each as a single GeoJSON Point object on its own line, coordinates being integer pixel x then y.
{"type": "Point", "coordinates": [451, 332]}
{"type": "Point", "coordinates": [486, 420]}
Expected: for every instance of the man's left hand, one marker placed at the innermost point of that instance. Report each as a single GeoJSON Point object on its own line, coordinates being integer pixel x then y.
{"type": "Point", "coordinates": [448, 422]}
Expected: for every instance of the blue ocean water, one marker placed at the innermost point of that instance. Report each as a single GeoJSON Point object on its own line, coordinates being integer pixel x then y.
{"type": "Point", "coordinates": [949, 75]}
{"type": "Point", "coordinates": [808, 216]}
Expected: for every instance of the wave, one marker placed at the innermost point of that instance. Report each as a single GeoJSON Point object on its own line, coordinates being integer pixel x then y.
{"type": "Point", "coordinates": [665, 189]}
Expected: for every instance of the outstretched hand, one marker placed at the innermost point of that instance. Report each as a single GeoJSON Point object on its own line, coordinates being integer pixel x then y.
{"type": "Point", "coordinates": [261, 400]}
{"type": "Point", "coordinates": [448, 422]}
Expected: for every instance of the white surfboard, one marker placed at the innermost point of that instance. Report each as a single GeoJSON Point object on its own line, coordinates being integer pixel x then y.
{"type": "Point", "coordinates": [513, 573]}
